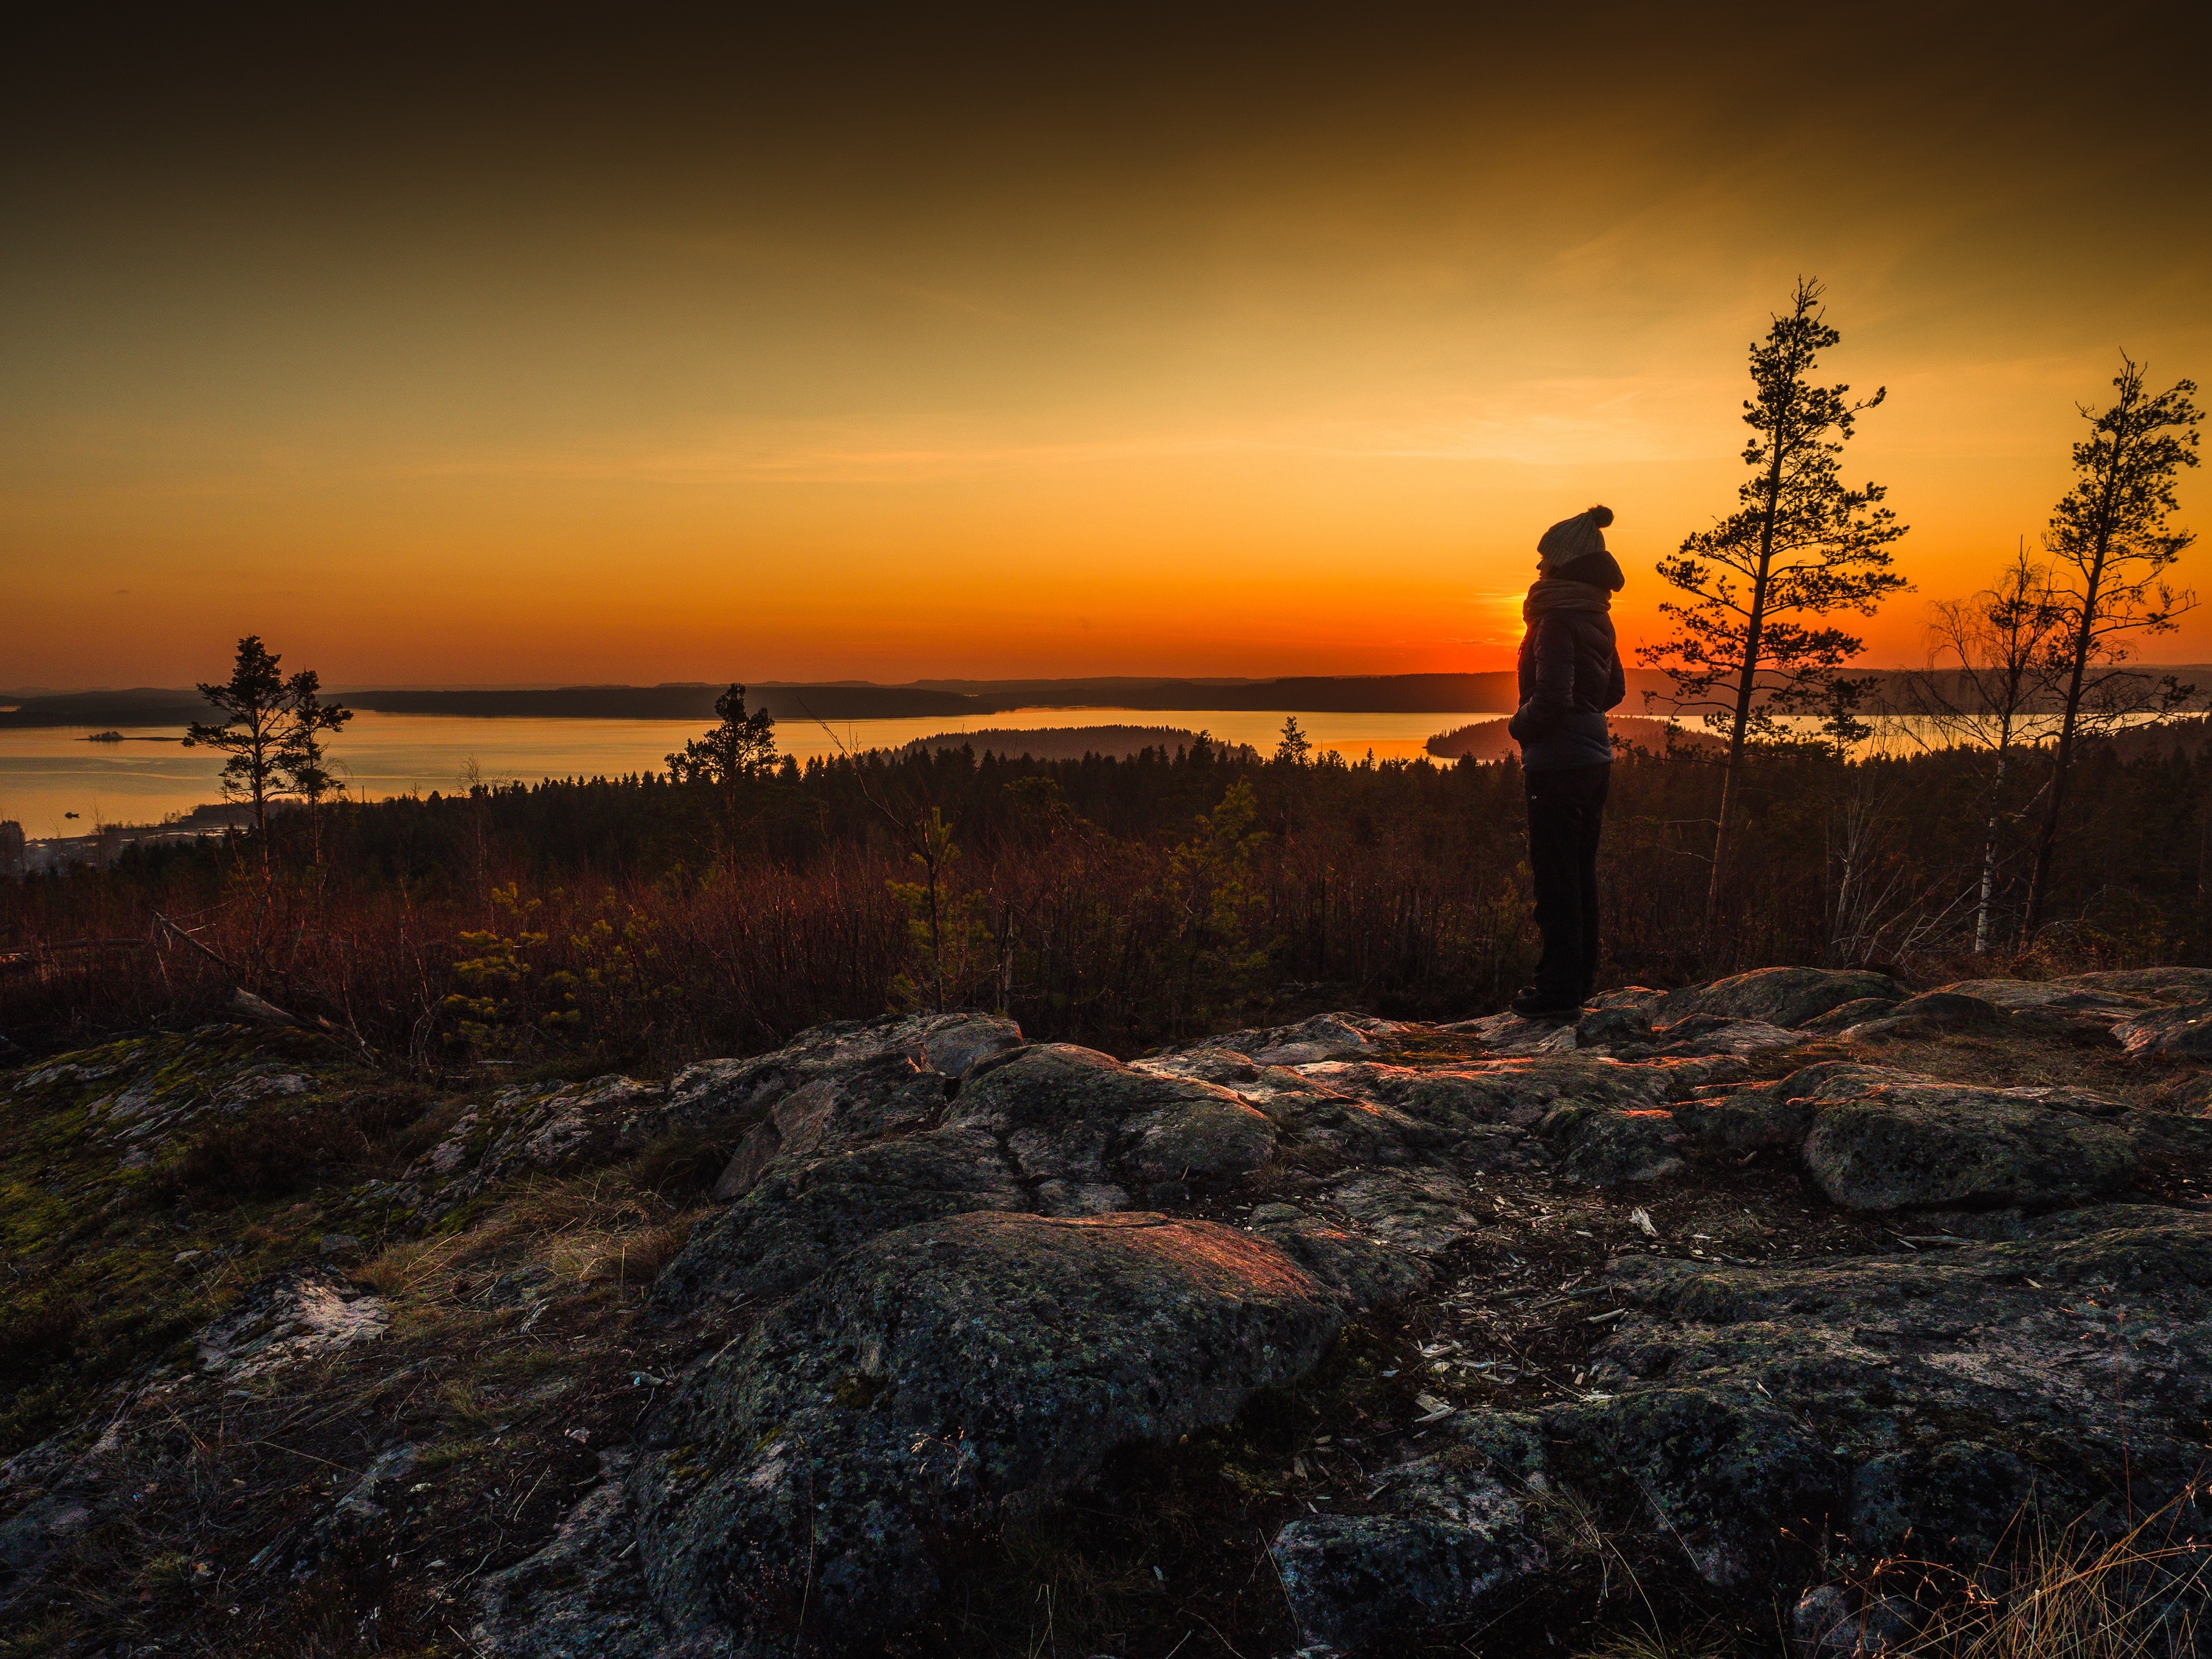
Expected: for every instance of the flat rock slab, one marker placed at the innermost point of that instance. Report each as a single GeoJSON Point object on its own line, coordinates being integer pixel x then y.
{"type": "Point", "coordinates": [1420, 1212]}
{"type": "Point", "coordinates": [2159, 984]}
{"type": "Point", "coordinates": [1520, 1092]}
{"type": "Point", "coordinates": [2182, 1032]}
{"type": "Point", "coordinates": [1607, 1148]}
{"type": "Point", "coordinates": [1075, 1114]}
{"type": "Point", "coordinates": [1324, 1037]}
{"type": "Point", "coordinates": [1718, 1034]}
{"type": "Point", "coordinates": [1730, 1477]}
{"type": "Point", "coordinates": [937, 1369]}
{"type": "Point", "coordinates": [1929, 1014]}
{"type": "Point", "coordinates": [1358, 1129]}
{"type": "Point", "coordinates": [2059, 995]}
{"type": "Point", "coordinates": [1511, 1034]}
{"type": "Point", "coordinates": [874, 1099]}
{"type": "Point", "coordinates": [2084, 1350]}
{"type": "Point", "coordinates": [1906, 1145]}
{"type": "Point", "coordinates": [1779, 996]}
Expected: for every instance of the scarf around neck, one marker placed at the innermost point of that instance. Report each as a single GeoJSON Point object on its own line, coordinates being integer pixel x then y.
{"type": "Point", "coordinates": [1550, 594]}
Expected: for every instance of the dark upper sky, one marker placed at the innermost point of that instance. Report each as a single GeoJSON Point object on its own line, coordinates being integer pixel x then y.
{"type": "Point", "coordinates": [893, 346]}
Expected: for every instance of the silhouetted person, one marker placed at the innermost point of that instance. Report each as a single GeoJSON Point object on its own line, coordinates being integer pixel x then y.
{"type": "Point", "coordinates": [1570, 676]}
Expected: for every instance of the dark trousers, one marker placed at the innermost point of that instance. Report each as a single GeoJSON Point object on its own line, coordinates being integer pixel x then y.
{"type": "Point", "coordinates": [1566, 811]}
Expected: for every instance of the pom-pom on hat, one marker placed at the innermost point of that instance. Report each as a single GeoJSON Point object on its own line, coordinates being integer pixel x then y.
{"type": "Point", "coordinates": [1572, 538]}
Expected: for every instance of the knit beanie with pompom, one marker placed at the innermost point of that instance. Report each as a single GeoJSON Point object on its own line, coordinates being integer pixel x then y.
{"type": "Point", "coordinates": [1572, 538]}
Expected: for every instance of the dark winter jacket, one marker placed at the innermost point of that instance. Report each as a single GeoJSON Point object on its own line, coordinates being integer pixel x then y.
{"type": "Point", "coordinates": [1570, 676]}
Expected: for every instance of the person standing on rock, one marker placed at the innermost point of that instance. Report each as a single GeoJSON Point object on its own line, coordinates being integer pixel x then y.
{"type": "Point", "coordinates": [1571, 674]}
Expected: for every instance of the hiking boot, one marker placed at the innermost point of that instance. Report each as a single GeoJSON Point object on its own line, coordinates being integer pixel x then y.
{"type": "Point", "coordinates": [1535, 1004]}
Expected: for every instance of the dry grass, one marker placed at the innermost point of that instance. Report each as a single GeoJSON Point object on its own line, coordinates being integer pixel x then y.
{"type": "Point", "coordinates": [1642, 1642]}
{"type": "Point", "coordinates": [598, 1231]}
{"type": "Point", "coordinates": [2064, 1593]}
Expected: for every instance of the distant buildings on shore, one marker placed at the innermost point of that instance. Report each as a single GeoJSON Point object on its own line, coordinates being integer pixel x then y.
{"type": "Point", "coordinates": [21, 855]}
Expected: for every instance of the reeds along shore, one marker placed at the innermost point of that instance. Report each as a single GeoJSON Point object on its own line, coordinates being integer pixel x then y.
{"type": "Point", "coordinates": [1115, 903]}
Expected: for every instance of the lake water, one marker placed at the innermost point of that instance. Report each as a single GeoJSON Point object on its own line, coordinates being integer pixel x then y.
{"type": "Point", "coordinates": [48, 773]}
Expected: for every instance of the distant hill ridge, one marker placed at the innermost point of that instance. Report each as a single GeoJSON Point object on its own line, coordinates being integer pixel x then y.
{"type": "Point", "coordinates": [853, 700]}
{"type": "Point", "coordinates": [1488, 740]}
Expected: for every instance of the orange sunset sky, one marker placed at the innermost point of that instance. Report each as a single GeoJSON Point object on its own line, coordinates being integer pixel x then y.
{"type": "Point", "coordinates": [531, 351]}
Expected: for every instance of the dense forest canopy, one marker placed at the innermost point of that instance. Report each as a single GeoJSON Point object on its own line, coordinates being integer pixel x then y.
{"type": "Point", "coordinates": [1115, 903]}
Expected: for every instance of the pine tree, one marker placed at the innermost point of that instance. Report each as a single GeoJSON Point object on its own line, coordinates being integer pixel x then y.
{"type": "Point", "coordinates": [254, 704]}
{"type": "Point", "coordinates": [743, 746]}
{"type": "Point", "coordinates": [1800, 546]}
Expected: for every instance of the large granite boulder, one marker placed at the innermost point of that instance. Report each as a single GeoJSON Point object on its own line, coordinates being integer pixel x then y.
{"type": "Point", "coordinates": [936, 1372]}
{"type": "Point", "coordinates": [883, 1144]}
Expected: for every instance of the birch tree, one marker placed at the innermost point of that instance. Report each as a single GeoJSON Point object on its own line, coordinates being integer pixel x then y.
{"type": "Point", "coordinates": [2111, 542]}
{"type": "Point", "coordinates": [1989, 686]}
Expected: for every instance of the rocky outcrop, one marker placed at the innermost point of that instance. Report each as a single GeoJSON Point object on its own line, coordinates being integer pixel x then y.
{"type": "Point", "coordinates": [978, 1313]}
{"type": "Point", "coordinates": [1745, 1280]}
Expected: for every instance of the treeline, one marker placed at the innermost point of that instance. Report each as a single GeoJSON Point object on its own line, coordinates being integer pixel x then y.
{"type": "Point", "coordinates": [1120, 903]}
